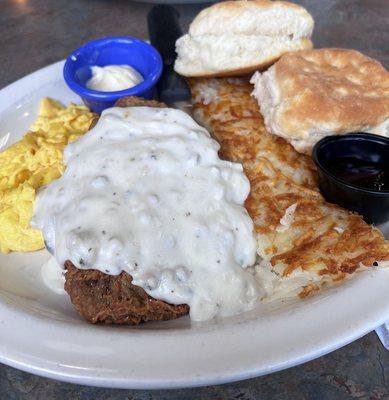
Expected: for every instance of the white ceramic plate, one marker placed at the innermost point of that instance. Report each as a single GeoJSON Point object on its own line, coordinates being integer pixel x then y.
{"type": "Point", "coordinates": [41, 333]}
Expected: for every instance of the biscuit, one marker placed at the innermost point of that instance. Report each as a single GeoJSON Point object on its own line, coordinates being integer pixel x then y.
{"type": "Point", "coordinates": [315, 93]}
{"type": "Point", "coordinates": [239, 37]}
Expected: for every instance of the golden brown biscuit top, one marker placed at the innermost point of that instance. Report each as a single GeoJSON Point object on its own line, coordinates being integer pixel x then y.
{"type": "Point", "coordinates": [232, 4]}
{"type": "Point", "coordinates": [336, 89]}
{"type": "Point", "coordinates": [225, 16]}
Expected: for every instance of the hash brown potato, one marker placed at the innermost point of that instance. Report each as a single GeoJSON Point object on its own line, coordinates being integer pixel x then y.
{"type": "Point", "coordinates": [323, 243]}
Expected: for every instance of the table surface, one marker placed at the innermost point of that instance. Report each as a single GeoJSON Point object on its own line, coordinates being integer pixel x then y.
{"type": "Point", "coordinates": [35, 33]}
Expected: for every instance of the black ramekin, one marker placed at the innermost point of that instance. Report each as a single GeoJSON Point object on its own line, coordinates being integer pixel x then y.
{"type": "Point", "coordinates": [372, 204]}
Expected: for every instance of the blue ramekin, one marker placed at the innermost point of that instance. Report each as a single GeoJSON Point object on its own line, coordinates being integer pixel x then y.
{"type": "Point", "coordinates": [113, 50]}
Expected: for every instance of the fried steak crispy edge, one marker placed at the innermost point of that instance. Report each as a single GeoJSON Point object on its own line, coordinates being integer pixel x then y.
{"type": "Point", "coordinates": [113, 299]}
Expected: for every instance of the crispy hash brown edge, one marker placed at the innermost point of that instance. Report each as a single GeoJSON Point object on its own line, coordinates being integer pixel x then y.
{"type": "Point", "coordinates": [323, 239]}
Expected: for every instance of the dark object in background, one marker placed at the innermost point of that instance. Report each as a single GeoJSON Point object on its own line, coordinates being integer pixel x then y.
{"type": "Point", "coordinates": [164, 30]}
{"type": "Point", "coordinates": [354, 173]}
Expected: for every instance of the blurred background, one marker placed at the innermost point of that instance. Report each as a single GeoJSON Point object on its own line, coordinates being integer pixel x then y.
{"type": "Point", "coordinates": [35, 33]}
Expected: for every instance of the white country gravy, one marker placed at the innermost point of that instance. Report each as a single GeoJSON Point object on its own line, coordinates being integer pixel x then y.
{"type": "Point", "coordinates": [145, 192]}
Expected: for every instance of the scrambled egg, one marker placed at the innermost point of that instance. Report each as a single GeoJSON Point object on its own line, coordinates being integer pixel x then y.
{"type": "Point", "coordinates": [33, 162]}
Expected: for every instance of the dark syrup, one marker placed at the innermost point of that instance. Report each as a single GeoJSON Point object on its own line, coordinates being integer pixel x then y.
{"type": "Point", "coordinates": [362, 173]}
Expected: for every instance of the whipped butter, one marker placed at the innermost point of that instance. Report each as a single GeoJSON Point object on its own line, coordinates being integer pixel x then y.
{"type": "Point", "coordinates": [112, 78]}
